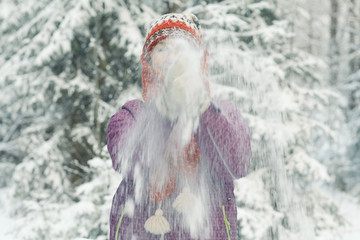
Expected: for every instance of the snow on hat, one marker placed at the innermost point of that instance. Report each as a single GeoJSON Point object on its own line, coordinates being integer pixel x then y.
{"type": "Point", "coordinates": [174, 24]}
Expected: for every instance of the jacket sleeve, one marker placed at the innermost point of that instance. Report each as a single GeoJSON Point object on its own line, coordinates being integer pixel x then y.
{"type": "Point", "coordinates": [225, 140]}
{"type": "Point", "coordinates": [119, 131]}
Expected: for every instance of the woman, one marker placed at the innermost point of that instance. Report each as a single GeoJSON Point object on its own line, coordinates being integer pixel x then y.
{"type": "Point", "coordinates": [178, 151]}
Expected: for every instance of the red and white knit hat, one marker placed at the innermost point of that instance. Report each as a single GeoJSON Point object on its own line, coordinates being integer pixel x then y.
{"type": "Point", "coordinates": [175, 25]}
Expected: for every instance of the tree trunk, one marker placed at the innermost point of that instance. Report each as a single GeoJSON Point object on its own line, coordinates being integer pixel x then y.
{"type": "Point", "coordinates": [311, 29]}
{"type": "Point", "coordinates": [334, 45]}
{"type": "Point", "coordinates": [353, 37]}
{"type": "Point", "coordinates": [100, 65]}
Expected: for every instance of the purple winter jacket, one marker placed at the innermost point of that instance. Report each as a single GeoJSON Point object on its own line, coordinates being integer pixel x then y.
{"type": "Point", "coordinates": [224, 141]}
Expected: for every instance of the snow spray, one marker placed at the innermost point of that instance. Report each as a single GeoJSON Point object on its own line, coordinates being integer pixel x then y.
{"type": "Point", "coordinates": [149, 155]}
{"type": "Point", "coordinates": [248, 80]}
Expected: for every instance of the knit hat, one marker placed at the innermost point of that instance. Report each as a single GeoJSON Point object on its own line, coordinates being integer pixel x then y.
{"type": "Point", "coordinates": [174, 24]}
{"type": "Point", "coordinates": [184, 26]}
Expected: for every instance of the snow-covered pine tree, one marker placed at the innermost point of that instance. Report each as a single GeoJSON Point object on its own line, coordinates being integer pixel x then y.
{"type": "Point", "coordinates": [64, 68]}
{"type": "Point", "coordinates": [278, 88]}
{"type": "Point", "coordinates": [349, 173]}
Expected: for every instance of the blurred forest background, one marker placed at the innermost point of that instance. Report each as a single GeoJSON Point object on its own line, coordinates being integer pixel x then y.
{"type": "Point", "coordinates": [291, 66]}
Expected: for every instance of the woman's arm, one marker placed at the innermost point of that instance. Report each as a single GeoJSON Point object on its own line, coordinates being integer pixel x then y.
{"type": "Point", "coordinates": [119, 130]}
{"type": "Point", "coordinates": [224, 138]}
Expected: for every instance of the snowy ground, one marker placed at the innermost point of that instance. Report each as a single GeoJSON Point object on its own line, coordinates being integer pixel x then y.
{"type": "Point", "coordinates": [5, 220]}
{"type": "Point", "coordinates": [348, 205]}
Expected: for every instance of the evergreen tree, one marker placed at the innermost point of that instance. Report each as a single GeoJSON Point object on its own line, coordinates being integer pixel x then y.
{"type": "Point", "coordinates": [278, 88]}
{"type": "Point", "coordinates": [351, 87]}
{"type": "Point", "coordinates": [65, 66]}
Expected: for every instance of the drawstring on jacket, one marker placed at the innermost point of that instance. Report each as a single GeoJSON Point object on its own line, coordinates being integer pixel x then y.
{"type": "Point", "coordinates": [227, 223]}
{"type": "Point", "coordinates": [119, 222]}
